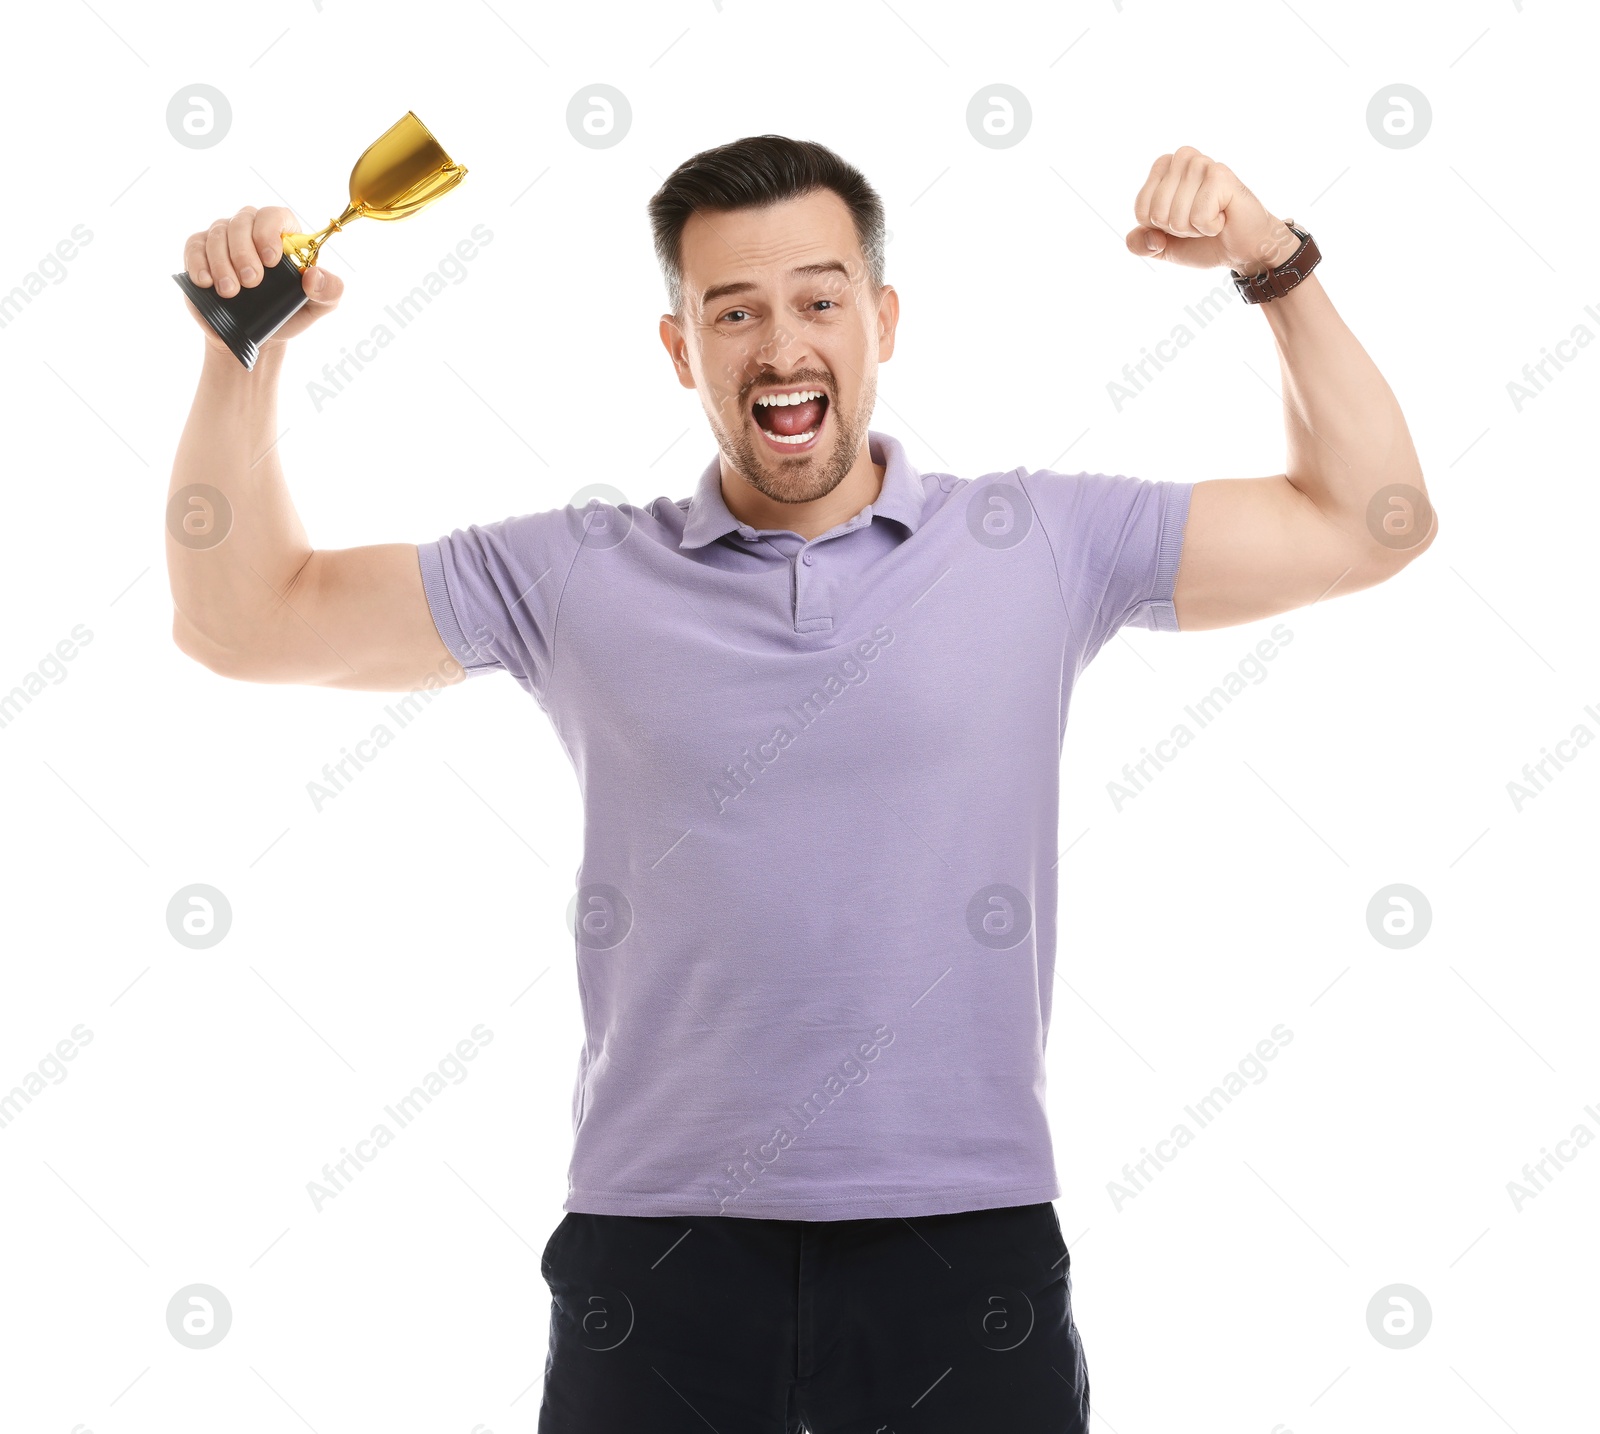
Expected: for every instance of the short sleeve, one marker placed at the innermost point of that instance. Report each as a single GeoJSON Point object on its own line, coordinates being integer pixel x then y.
{"type": "Point", "coordinates": [1116, 541]}
{"type": "Point", "coordinates": [494, 590]}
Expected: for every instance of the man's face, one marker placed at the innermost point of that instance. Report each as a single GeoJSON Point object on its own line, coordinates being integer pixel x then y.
{"type": "Point", "coordinates": [777, 302]}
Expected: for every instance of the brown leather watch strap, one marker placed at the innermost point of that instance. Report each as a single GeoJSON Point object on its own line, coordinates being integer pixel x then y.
{"type": "Point", "coordinates": [1274, 283]}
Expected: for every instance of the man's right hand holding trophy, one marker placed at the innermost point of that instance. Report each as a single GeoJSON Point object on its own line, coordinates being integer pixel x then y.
{"type": "Point", "coordinates": [235, 254]}
{"type": "Point", "coordinates": [254, 281]}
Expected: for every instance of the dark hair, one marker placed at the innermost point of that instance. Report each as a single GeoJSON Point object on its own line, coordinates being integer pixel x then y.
{"type": "Point", "coordinates": [753, 172]}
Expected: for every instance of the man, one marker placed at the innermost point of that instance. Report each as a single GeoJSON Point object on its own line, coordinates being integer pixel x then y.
{"type": "Point", "coordinates": [816, 712]}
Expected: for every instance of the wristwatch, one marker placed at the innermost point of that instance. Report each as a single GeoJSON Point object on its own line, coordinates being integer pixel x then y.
{"type": "Point", "coordinates": [1275, 283]}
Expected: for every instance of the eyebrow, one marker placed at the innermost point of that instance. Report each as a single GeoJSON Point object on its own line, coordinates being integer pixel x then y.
{"type": "Point", "coordinates": [744, 286]}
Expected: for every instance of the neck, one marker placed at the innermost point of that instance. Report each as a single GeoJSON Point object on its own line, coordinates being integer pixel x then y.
{"type": "Point", "coordinates": [860, 486]}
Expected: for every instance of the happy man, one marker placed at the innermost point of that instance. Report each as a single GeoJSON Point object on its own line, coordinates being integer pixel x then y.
{"type": "Point", "coordinates": [816, 711]}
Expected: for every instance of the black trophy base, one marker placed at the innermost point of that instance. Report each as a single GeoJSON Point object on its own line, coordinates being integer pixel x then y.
{"type": "Point", "coordinates": [252, 316]}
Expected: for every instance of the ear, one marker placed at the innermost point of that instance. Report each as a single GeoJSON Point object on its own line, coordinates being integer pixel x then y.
{"type": "Point", "coordinates": [888, 320]}
{"type": "Point", "coordinates": [677, 348]}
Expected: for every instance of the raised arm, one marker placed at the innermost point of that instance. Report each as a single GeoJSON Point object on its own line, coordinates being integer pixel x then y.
{"type": "Point", "coordinates": [259, 603]}
{"type": "Point", "coordinates": [1350, 508]}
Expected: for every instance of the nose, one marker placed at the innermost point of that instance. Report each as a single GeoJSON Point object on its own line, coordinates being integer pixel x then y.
{"type": "Point", "coordinates": [783, 348]}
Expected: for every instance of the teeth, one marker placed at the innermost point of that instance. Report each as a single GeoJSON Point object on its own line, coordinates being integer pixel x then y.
{"type": "Point", "coordinates": [793, 438]}
{"type": "Point", "coordinates": [781, 400]}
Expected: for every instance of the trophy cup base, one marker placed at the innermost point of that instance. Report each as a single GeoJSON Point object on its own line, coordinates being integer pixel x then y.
{"type": "Point", "coordinates": [252, 316]}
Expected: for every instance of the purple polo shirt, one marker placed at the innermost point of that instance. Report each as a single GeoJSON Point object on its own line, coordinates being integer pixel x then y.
{"type": "Point", "coordinates": [816, 915]}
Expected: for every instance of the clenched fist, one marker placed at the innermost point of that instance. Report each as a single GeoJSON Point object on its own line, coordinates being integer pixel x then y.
{"type": "Point", "coordinates": [1197, 212]}
{"type": "Point", "coordinates": [235, 253]}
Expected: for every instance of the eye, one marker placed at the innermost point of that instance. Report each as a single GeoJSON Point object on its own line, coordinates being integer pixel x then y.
{"type": "Point", "coordinates": [732, 312]}
{"type": "Point", "coordinates": [827, 301]}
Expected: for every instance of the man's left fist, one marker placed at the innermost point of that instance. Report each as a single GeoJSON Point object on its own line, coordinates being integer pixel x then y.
{"type": "Point", "coordinates": [1197, 212]}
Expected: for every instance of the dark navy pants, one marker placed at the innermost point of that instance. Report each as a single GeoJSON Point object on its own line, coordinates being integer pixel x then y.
{"type": "Point", "coordinates": [942, 1324]}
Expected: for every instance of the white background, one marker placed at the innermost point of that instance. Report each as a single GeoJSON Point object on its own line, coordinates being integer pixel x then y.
{"type": "Point", "coordinates": [368, 938]}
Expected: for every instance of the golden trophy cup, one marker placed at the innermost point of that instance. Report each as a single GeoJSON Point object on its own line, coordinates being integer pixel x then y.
{"type": "Point", "coordinates": [402, 170]}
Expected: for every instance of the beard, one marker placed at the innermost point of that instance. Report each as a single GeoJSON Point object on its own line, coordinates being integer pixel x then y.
{"type": "Point", "coordinates": [802, 479]}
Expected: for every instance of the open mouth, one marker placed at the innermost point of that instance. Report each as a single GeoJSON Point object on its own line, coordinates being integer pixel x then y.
{"type": "Point", "coordinates": [790, 420]}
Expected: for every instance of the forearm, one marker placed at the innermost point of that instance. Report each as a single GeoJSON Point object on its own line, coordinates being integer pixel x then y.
{"type": "Point", "coordinates": [229, 594]}
{"type": "Point", "coordinates": [1347, 437]}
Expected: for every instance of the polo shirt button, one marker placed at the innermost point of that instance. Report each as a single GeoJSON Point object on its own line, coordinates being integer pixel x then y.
{"type": "Point", "coordinates": [807, 558]}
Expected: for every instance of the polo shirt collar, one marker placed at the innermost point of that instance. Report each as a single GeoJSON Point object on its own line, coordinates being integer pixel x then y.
{"type": "Point", "coordinates": [900, 498]}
